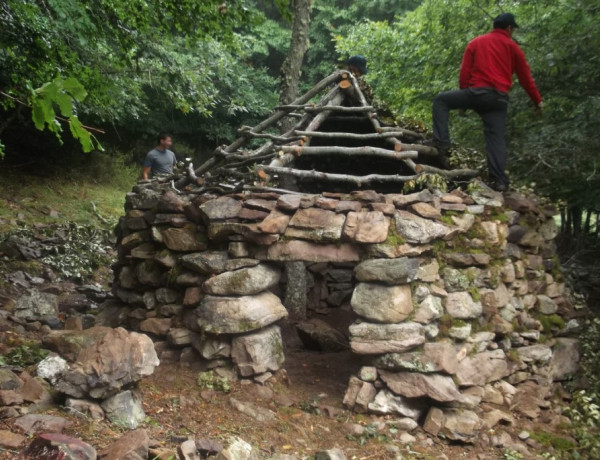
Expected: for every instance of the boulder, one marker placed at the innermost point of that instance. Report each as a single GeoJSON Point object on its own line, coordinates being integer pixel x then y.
{"type": "Point", "coordinates": [36, 305]}
{"type": "Point", "coordinates": [258, 352]}
{"type": "Point", "coordinates": [415, 229]}
{"type": "Point", "coordinates": [534, 353]}
{"type": "Point", "coordinates": [233, 315]}
{"type": "Point", "coordinates": [316, 225]}
{"type": "Point", "coordinates": [461, 425]}
{"type": "Point", "coordinates": [316, 334]}
{"type": "Point", "coordinates": [462, 306]}
{"type": "Point", "coordinates": [415, 385]}
{"type": "Point", "coordinates": [565, 358]}
{"type": "Point", "coordinates": [386, 304]}
{"type": "Point", "coordinates": [386, 402]}
{"type": "Point", "coordinates": [57, 446]}
{"type": "Point", "coordinates": [118, 359]}
{"type": "Point", "coordinates": [245, 281]}
{"type": "Point", "coordinates": [39, 423]}
{"type": "Point", "coordinates": [69, 344]}
{"type": "Point", "coordinates": [133, 445]}
{"type": "Point", "coordinates": [482, 368]}
{"type": "Point", "coordinates": [237, 449]}
{"type": "Point", "coordinates": [390, 271]}
{"type": "Point", "coordinates": [9, 380]}
{"type": "Point", "coordinates": [370, 338]}
{"type": "Point", "coordinates": [220, 209]}
{"type": "Point", "coordinates": [11, 440]}
{"type": "Point", "coordinates": [125, 409]}
{"type": "Point", "coordinates": [366, 227]}
{"type": "Point", "coordinates": [311, 252]}
{"type": "Point", "coordinates": [435, 357]}
{"type": "Point", "coordinates": [429, 309]}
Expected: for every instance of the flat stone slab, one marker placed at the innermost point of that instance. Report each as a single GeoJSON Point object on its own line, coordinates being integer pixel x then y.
{"type": "Point", "coordinates": [310, 252]}
{"type": "Point", "coordinates": [370, 338]}
{"type": "Point", "coordinates": [234, 315]}
{"type": "Point", "coordinates": [245, 281]}
{"type": "Point", "coordinates": [220, 208]}
{"type": "Point", "coordinates": [316, 225]}
{"type": "Point", "coordinates": [415, 385]}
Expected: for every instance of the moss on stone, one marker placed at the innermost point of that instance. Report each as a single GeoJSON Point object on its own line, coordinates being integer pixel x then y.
{"type": "Point", "coordinates": [550, 321]}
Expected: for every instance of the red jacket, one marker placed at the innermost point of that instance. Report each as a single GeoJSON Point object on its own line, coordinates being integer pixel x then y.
{"type": "Point", "coordinates": [491, 60]}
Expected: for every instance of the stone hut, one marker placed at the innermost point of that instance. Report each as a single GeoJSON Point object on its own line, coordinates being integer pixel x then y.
{"type": "Point", "coordinates": [457, 298]}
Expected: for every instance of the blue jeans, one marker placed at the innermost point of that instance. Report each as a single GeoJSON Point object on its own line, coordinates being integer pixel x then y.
{"type": "Point", "coordinates": [491, 105]}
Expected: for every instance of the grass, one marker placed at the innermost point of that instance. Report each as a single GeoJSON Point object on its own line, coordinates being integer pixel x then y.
{"type": "Point", "coordinates": [29, 198]}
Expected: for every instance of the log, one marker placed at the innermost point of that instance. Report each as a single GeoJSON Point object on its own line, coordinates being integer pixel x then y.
{"type": "Point", "coordinates": [334, 77]}
{"type": "Point", "coordinates": [367, 150]}
{"type": "Point", "coordinates": [402, 131]}
{"type": "Point", "coordinates": [333, 135]}
{"type": "Point", "coordinates": [358, 180]}
{"type": "Point", "coordinates": [282, 191]}
{"type": "Point", "coordinates": [340, 109]}
{"type": "Point", "coordinates": [446, 173]}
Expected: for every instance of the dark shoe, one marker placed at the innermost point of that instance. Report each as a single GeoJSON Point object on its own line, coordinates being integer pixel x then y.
{"type": "Point", "coordinates": [499, 186]}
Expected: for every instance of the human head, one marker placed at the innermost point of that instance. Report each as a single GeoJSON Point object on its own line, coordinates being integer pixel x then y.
{"type": "Point", "coordinates": [505, 21]}
{"type": "Point", "coordinates": [357, 64]}
{"type": "Point", "coordinates": [164, 140]}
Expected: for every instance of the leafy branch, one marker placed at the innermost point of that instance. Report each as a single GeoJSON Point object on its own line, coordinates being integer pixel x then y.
{"type": "Point", "coordinates": [60, 94]}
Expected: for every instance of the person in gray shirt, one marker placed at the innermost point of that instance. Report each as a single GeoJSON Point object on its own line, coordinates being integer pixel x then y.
{"type": "Point", "coordinates": [160, 160]}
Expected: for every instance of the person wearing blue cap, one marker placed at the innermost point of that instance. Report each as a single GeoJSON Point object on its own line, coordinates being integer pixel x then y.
{"type": "Point", "coordinates": [357, 64]}
{"type": "Point", "coordinates": [486, 71]}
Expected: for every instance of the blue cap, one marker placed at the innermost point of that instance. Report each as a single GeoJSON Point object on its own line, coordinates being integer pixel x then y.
{"type": "Point", "coordinates": [504, 20]}
{"type": "Point", "coordinates": [358, 61]}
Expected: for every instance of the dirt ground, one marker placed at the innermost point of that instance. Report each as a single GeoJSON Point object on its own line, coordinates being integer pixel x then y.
{"type": "Point", "coordinates": [306, 400]}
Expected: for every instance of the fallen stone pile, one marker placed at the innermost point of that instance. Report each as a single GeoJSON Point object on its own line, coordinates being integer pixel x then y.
{"type": "Point", "coordinates": [458, 297]}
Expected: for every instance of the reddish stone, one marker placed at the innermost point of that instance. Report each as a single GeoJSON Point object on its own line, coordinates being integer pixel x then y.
{"type": "Point", "coordinates": [260, 205]}
{"type": "Point", "coordinates": [387, 208]}
{"type": "Point", "coordinates": [346, 206]}
{"type": "Point", "coordinates": [252, 214]}
{"type": "Point", "coordinates": [276, 222]}
{"type": "Point", "coordinates": [367, 227]}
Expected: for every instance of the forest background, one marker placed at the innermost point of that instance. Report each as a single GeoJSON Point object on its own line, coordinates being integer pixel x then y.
{"type": "Point", "coordinates": [115, 73]}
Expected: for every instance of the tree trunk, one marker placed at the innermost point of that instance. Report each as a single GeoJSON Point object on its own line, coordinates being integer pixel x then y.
{"type": "Point", "coordinates": [291, 69]}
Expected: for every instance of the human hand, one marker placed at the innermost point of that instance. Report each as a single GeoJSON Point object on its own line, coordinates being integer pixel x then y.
{"type": "Point", "coordinates": [538, 109]}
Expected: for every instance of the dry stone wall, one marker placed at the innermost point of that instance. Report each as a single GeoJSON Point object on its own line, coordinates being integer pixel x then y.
{"type": "Point", "coordinates": [458, 296]}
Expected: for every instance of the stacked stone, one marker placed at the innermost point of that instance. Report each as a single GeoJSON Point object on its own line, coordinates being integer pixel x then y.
{"type": "Point", "coordinates": [459, 294]}
{"type": "Point", "coordinates": [452, 332]}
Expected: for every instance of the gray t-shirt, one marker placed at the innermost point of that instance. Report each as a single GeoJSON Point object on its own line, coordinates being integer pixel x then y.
{"type": "Point", "coordinates": [160, 161]}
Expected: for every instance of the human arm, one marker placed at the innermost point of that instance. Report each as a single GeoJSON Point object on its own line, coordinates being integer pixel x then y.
{"type": "Point", "coordinates": [466, 66]}
{"type": "Point", "coordinates": [524, 75]}
{"type": "Point", "coordinates": [145, 172]}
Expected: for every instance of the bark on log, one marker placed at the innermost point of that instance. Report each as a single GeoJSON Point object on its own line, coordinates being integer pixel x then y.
{"type": "Point", "coordinates": [358, 180]}
{"type": "Point", "coordinates": [369, 136]}
{"type": "Point", "coordinates": [403, 131]}
{"type": "Point", "coordinates": [367, 150]}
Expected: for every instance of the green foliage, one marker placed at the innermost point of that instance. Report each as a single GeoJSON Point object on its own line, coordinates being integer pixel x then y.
{"type": "Point", "coordinates": [61, 93]}
{"type": "Point", "coordinates": [585, 415]}
{"type": "Point", "coordinates": [146, 65]}
{"type": "Point", "coordinates": [24, 355]}
{"type": "Point", "coordinates": [510, 454]}
{"type": "Point", "coordinates": [80, 251]}
{"type": "Point", "coordinates": [210, 381]}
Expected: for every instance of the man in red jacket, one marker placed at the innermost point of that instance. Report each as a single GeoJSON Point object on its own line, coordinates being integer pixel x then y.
{"type": "Point", "coordinates": [488, 65]}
